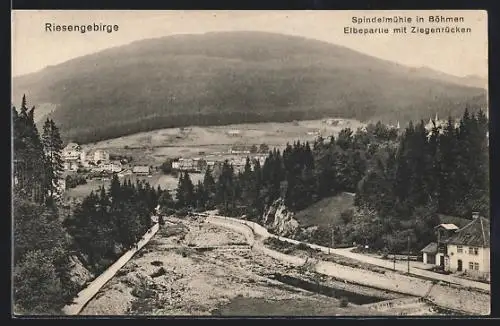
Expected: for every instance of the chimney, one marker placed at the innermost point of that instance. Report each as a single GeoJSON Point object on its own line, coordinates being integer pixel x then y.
{"type": "Point", "coordinates": [475, 215]}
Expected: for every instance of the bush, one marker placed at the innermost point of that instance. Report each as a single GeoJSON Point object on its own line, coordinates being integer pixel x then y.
{"type": "Point", "coordinates": [303, 246]}
{"type": "Point", "coordinates": [166, 167]}
{"type": "Point", "coordinates": [182, 212]}
{"type": "Point", "coordinates": [347, 216]}
{"type": "Point", "coordinates": [184, 252]}
{"type": "Point", "coordinates": [73, 181]}
{"type": "Point", "coordinates": [142, 290]}
{"type": "Point", "coordinates": [344, 302]}
{"type": "Point", "coordinates": [37, 288]}
{"type": "Point", "coordinates": [156, 263]}
{"type": "Point", "coordinates": [161, 271]}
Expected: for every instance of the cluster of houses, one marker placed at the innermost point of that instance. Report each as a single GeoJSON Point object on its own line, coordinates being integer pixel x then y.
{"type": "Point", "coordinates": [440, 124]}
{"type": "Point", "coordinates": [74, 158]}
{"type": "Point", "coordinates": [200, 165]}
{"type": "Point", "coordinates": [463, 250]}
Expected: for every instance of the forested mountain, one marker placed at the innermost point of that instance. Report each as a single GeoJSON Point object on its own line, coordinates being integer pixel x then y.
{"type": "Point", "coordinates": [233, 77]}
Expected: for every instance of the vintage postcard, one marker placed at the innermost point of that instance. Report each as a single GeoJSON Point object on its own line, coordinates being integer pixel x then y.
{"type": "Point", "coordinates": [250, 163]}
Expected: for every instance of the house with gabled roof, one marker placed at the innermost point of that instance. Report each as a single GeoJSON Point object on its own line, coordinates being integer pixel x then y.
{"type": "Point", "coordinates": [461, 249]}
{"type": "Point", "coordinates": [434, 252]}
{"type": "Point", "coordinates": [468, 249]}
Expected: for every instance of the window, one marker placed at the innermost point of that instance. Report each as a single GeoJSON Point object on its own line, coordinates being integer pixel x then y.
{"type": "Point", "coordinates": [471, 265]}
{"type": "Point", "coordinates": [476, 266]}
{"type": "Point", "coordinates": [460, 249]}
{"type": "Point", "coordinates": [473, 251]}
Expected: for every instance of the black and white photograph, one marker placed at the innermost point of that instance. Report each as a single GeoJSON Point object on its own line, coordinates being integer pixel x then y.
{"type": "Point", "coordinates": [211, 163]}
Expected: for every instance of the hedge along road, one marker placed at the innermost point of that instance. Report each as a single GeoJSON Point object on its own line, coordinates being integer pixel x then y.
{"type": "Point", "coordinates": [262, 232]}
{"type": "Point", "coordinates": [440, 295]}
{"type": "Point", "coordinates": [91, 290]}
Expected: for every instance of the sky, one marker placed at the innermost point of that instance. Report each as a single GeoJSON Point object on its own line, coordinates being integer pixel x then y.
{"type": "Point", "coordinates": [33, 48]}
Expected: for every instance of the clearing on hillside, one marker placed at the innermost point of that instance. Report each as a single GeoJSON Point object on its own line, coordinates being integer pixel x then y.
{"type": "Point", "coordinates": [327, 211]}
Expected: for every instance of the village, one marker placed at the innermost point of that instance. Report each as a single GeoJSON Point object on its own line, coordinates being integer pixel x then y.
{"type": "Point", "coordinates": [101, 164]}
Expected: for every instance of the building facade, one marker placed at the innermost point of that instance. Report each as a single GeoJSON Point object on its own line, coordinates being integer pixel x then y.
{"type": "Point", "coordinates": [462, 250]}
{"type": "Point", "coordinates": [115, 166]}
{"type": "Point", "coordinates": [468, 250]}
{"type": "Point", "coordinates": [141, 170]}
{"type": "Point", "coordinates": [101, 155]}
{"type": "Point", "coordinates": [72, 151]}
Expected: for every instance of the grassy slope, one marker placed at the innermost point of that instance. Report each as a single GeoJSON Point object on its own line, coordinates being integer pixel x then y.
{"type": "Point", "coordinates": [325, 212]}
{"type": "Point", "coordinates": [164, 181]}
{"type": "Point", "coordinates": [222, 78]}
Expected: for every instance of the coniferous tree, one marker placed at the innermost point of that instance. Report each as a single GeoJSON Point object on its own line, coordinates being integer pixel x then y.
{"type": "Point", "coordinates": [188, 189]}
{"type": "Point", "coordinates": [52, 146]}
{"type": "Point", "coordinates": [166, 201]}
{"type": "Point", "coordinates": [37, 271]}
{"type": "Point", "coordinates": [29, 158]}
{"type": "Point", "coordinates": [225, 187]}
{"type": "Point", "coordinates": [200, 196]}
{"type": "Point", "coordinates": [180, 192]}
{"type": "Point", "coordinates": [209, 186]}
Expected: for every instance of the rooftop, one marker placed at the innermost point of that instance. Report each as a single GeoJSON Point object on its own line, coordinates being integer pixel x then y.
{"type": "Point", "coordinates": [476, 233]}
{"type": "Point", "coordinates": [141, 168]}
{"type": "Point", "coordinates": [448, 226]}
{"type": "Point", "coordinates": [72, 146]}
{"type": "Point", "coordinates": [431, 248]}
{"type": "Point", "coordinates": [458, 221]}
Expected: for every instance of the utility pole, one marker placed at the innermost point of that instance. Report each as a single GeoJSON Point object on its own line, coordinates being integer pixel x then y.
{"type": "Point", "coordinates": [331, 242]}
{"type": "Point", "coordinates": [408, 256]}
{"type": "Point", "coordinates": [333, 238]}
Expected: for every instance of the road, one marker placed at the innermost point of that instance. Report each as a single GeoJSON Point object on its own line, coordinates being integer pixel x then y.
{"type": "Point", "coordinates": [91, 290]}
{"type": "Point", "coordinates": [402, 267]}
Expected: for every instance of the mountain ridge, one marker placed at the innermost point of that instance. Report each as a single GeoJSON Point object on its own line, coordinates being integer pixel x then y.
{"type": "Point", "coordinates": [232, 77]}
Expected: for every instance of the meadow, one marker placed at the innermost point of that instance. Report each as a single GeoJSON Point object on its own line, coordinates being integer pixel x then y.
{"type": "Point", "coordinates": [159, 179]}
{"type": "Point", "coordinates": [154, 147]}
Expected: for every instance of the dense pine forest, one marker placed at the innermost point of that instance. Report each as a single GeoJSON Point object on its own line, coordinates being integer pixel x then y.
{"type": "Point", "coordinates": [98, 231]}
{"type": "Point", "coordinates": [401, 180]}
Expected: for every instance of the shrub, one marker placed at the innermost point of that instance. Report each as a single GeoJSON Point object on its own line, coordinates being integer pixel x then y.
{"type": "Point", "coordinates": [344, 302]}
{"type": "Point", "coordinates": [161, 271]}
{"type": "Point", "coordinates": [143, 290]}
{"type": "Point", "coordinates": [37, 288]}
{"type": "Point", "coordinates": [347, 216]}
{"type": "Point", "coordinates": [182, 212]}
{"type": "Point", "coordinates": [303, 246]}
{"type": "Point", "coordinates": [156, 263]}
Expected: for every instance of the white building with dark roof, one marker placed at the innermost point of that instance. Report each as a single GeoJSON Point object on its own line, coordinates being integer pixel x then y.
{"type": "Point", "coordinates": [461, 250]}
{"type": "Point", "coordinates": [468, 250]}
